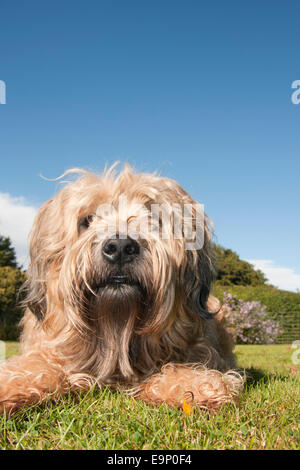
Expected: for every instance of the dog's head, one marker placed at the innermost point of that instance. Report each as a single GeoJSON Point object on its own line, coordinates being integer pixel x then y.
{"type": "Point", "coordinates": [120, 248]}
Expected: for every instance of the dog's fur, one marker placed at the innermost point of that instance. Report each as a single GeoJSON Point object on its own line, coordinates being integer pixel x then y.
{"type": "Point", "coordinates": [155, 335]}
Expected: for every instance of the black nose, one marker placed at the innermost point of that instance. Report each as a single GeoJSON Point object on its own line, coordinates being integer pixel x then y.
{"type": "Point", "coordinates": [120, 250]}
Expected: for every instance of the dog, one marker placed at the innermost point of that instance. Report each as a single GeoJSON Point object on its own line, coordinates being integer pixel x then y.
{"type": "Point", "coordinates": [111, 303]}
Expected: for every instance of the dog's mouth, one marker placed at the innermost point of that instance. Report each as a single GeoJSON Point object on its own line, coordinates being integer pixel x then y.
{"type": "Point", "coordinates": [120, 280]}
{"type": "Point", "coordinates": [119, 286]}
{"type": "Point", "coordinates": [117, 281]}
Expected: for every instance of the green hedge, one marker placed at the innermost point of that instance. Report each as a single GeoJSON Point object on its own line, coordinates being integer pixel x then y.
{"type": "Point", "coordinates": [276, 300]}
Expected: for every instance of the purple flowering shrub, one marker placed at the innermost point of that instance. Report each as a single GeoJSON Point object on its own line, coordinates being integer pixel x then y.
{"type": "Point", "coordinates": [248, 322]}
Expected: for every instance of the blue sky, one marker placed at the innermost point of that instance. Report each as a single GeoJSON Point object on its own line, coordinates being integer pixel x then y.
{"type": "Point", "coordinates": [200, 91]}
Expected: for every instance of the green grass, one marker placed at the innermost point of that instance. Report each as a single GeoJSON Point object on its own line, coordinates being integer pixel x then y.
{"type": "Point", "coordinates": [12, 348]}
{"type": "Point", "coordinates": [266, 417]}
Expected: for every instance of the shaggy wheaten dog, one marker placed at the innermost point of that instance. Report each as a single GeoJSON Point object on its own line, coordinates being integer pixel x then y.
{"type": "Point", "coordinates": [111, 302]}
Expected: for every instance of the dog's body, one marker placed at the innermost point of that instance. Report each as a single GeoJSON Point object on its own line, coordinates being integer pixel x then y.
{"type": "Point", "coordinates": [106, 307]}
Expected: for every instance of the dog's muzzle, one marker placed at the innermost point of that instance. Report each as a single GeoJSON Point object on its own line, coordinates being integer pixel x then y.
{"type": "Point", "coordinates": [121, 251]}
{"type": "Point", "coordinates": [120, 256]}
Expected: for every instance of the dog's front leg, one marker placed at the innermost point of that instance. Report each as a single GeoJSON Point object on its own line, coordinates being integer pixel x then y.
{"type": "Point", "coordinates": [198, 385]}
{"type": "Point", "coordinates": [31, 378]}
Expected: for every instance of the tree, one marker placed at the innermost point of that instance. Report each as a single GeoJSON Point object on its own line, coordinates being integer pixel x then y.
{"type": "Point", "coordinates": [10, 312]}
{"type": "Point", "coordinates": [231, 270]}
{"type": "Point", "coordinates": [7, 253]}
{"type": "Point", "coordinates": [11, 279]}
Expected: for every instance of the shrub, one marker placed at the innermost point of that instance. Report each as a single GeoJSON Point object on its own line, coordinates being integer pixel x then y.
{"type": "Point", "coordinates": [249, 322]}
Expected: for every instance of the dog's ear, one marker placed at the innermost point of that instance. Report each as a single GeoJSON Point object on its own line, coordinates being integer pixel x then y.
{"type": "Point", "coordinates": [197, 269]}
{"type": "Point", "coordinates": [198, 277]}
{"type": "Point", "coordinates": [35, 285]}
{"type": "Point", "coordinates": [202, 285]}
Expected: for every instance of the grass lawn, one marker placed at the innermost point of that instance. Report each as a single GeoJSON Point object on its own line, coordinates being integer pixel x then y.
{"type": "Point", "coordinates": [267, 416]}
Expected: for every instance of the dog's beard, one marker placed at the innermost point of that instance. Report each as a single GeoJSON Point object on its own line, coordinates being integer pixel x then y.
{"type": "Point", "coordinates": [118, 310]}
{"type": "Point", "coordinates": [116, 302]}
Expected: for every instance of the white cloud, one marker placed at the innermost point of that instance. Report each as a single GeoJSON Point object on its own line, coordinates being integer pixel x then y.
{"type": "Point", "coordinates": [16, 218]}
{"type": "Point", "coordinates": [279, 276]}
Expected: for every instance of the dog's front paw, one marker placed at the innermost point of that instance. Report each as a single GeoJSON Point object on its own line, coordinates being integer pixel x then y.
{"type": "Point", "coordinates": [203, 387]}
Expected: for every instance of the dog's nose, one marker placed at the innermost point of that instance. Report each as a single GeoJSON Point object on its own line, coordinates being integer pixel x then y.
{"type": "Point", "coordinates": [120, 250]}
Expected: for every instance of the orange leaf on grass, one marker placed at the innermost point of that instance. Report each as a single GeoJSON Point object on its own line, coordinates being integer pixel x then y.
{"type": "Point", "coordinates": [186, 408]}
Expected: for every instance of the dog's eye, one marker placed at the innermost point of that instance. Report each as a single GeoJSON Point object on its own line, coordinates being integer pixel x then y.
{"type": "Point", "coordinates": [86, 221]}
